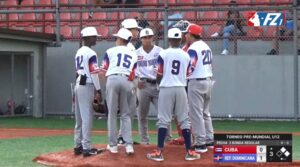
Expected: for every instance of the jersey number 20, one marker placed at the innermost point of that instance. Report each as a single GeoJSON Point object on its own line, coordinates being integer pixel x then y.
{"type": "Point", "coordinates": [206, 56]}
{"type": "Point", "coordinates": [126, 60]}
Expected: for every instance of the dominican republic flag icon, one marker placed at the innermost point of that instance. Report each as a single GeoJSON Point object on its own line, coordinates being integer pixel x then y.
{"type": "Point", "coordinates": [218, 157]}
{"type": "Point", "coordinates": [218, 149]}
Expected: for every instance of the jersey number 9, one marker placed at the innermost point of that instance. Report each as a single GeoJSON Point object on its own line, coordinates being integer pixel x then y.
{"type": "Point", "coordinates": [175, 67]}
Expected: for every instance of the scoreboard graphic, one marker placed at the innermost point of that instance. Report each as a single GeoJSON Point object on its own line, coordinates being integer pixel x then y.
{"type": "Point", "coordinates": [253, 148]}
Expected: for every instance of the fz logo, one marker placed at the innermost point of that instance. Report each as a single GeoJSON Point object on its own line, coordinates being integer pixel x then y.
{"type": "Point", "coordinates": [265, 19]}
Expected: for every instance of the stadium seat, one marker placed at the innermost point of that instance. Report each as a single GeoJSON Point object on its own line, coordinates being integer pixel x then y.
{"type": "Point", "coordinates": [44, 2]}
{"type": "Point", "coordinates": [151, 2]}
{"type": "Point", "coordinates": [190, 15]}
{"type": "Point", "coordinates": [28, 19]}
{"type": "Point", "coordinates": [245, 14]}
{"type": "Point", "coordinates": [49, 30]}
{"type": "Point", "coordinates": [78, 2]}
{"type": "Point", "coordinates": [65, 18]}
{"type": "Point", "coordinates": [63, 1]}
{"type": "Point", "coordinates": [206, 2]}
{"type": "Point", "coordinates": [261, 2]}
{"type": "Point", "coordinates": [117, 16]}
{"type": "Point", "coordinates": [10, 3]}
{"type": "Point", "coordinates": [133, 14]}
{"type": "Point", "coordinates": [76, 33]}
{"type": "Point", "coordinates": [66, 31]}
{"type": "Point", "coordinates": [253, 33]}
{"type": "Point", "coordinates": [13, 18]}
{"type": "Point", "coordinates": [222, 2]}
{"type": "Point", "coordinates": [103, 31]}
{"type": "Point", "coordinates": [269, 32]}
{"type": "Point", "coordinates": [154, 15]}
{"type": "Point", "coordinates": [171, 2]}
{"type": "Point", "coordinates": [99, 15]}
{"type": "Point", "coordinates": [186, 2]}
{"type": "Point", "coordinates": [212, 29]}
{"type": "Point", "coordinates": [75, 21]}
{"type": "Point", "coordinates": [31, 29]}
{"type": "Point", "coordinates": [283, 1]}
{"type": "Point", "coordinates": [243, 2]}
{"type": "Point", "coordinates": [208, 17]}
{"type": "Point", "coordinates": [28, 2]}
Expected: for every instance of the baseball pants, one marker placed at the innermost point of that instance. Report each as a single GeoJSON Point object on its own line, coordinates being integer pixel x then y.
{"type": "Point", "coordinates": [84, 96]}
{"type": "Point", "coordinates": [118, 93]}
{"type": "Point", "coordinates": [173, 100]}
{"type": "Point", "coordinates": [199, 95]}
{"type": "Point", "coordinates": [145, 96]}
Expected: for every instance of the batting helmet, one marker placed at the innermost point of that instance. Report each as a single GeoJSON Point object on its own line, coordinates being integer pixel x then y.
{"type": "Point", "coordinates": [182, 25]}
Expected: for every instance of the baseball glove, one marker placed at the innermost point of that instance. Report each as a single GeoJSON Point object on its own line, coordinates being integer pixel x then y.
{"type": "Point", "coordinates": [98, 107]}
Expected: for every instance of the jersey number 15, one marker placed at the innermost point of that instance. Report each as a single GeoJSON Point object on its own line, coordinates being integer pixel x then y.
{"type": "Point", "coordinates": [126, 60]}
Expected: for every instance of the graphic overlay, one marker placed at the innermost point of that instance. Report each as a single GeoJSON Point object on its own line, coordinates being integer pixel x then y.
{"type": "Point", "coordinates": [257, 19]}
{"type": "Point", "coordinates": [253, 148]}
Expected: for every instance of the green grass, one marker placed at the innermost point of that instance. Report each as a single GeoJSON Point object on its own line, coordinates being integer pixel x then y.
{"type": "Point", "coordinates": [68, 123]}
{"type": "Point", "coordinates": [20, 152]}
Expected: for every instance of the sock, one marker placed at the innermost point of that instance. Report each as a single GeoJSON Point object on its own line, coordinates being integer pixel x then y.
{"type": "Point", "coordinates": [161, 137]}
{"type": "Point", "coordinates": [187, 138]}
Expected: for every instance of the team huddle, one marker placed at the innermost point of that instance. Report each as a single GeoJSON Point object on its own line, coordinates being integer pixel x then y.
{"type": "Point", "coordinates": [177, 81]}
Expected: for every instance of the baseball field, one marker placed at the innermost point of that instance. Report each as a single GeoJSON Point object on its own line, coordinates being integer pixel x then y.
{"type": "Point", "coordinates": [27, 141]}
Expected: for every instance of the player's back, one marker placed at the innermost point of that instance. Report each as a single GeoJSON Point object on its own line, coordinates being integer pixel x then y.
{"type": "Point", "coordinates": [85, 57]}
{"type": "Point", "coordinates": [201, 59]}
{"type": "Point", "coordinates": [174, 64]}
{"type": "Point", "coordinates": [121, 60]}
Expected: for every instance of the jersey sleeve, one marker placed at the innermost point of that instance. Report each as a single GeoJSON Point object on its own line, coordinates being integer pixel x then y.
{"type": "Point", "coordinates": [105, 62]}
{"type": "Point", "coordinates": [194, 59]}
{"type": "Point", "coordinates": [159, 66]}
{"type": "Point", "coordinates": [132, 73]}
{"type": "Point", "coordinates": [93, 65]}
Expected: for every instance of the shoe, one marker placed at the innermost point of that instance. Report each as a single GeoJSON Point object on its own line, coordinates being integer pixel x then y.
{"type": "Point", "coordinates": [272, 52]}
{"type": "Point", "coordinates": [155, 156]}
{"type": "Point", "coordinates": [93, 151]}
{"type": "Point", "coordinates": [225, 52]}
{"type": "Point", "coordinates": [112, 149]}
{"type": "Point", "coordinates": [136, 143]}
{"type": "Point", "coordinates": [129, 149]}
{"type": "Point", "coordinates": [200, 148]}
{"type": "Point", "coordinates": [78, 150]}
{"type": "Point", "coordinates": [215, 34]}
{"type": "Point", "coordinates": [210, 145]}
{"type": "Point", "coordinates": [121, 141]}
{"type": "Point", "coordinates": [191, 155]}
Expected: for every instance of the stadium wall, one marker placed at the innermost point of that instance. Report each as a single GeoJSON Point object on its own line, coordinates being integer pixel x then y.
{"type": "Point", "coordinates": [250, 85]}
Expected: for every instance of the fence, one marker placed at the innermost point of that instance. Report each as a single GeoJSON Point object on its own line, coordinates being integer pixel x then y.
{"type": "Point", "coordinates": [210, 14]}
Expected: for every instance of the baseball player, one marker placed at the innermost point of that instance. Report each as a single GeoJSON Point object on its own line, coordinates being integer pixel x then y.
{"type": "Point", "coordinates": [147, 91]}
{"type": "Point", "coordinates": [182, 25]}
{"type": "Point", "coordinates": [173, 64]}
{"type": "Point", "coordinates": [119, 63]}
{"type": "Point", "coordinates": [87, 80]}
{"type": "Point", "coordinates": [132, 26]}
{"type": "Point", "coordinates": [199, 88]}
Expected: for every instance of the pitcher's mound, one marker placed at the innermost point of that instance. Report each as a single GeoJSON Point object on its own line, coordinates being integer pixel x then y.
{"type": "Point", "coordinates": [173, 155]}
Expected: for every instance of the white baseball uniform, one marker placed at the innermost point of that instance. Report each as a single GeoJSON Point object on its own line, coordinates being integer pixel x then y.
{"type": "Point", "coordinates": [86, 64]}
{"type": "Point", "coordinates": [120, 63]}
{"type": "Point", "coordinates": [145, 72]}
{"type": "Point", "coordinates": [173, 65]}
{"type": "Point", "coordinates": [199, 92]}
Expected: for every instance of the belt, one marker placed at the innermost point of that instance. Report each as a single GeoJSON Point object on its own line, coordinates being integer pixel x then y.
{"type": "Point", "coordinates": [123, 75]}
{"type": "Point", "coordinates": [151, 81]}
{"type": "Point", "coordinates": [199, 79]}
